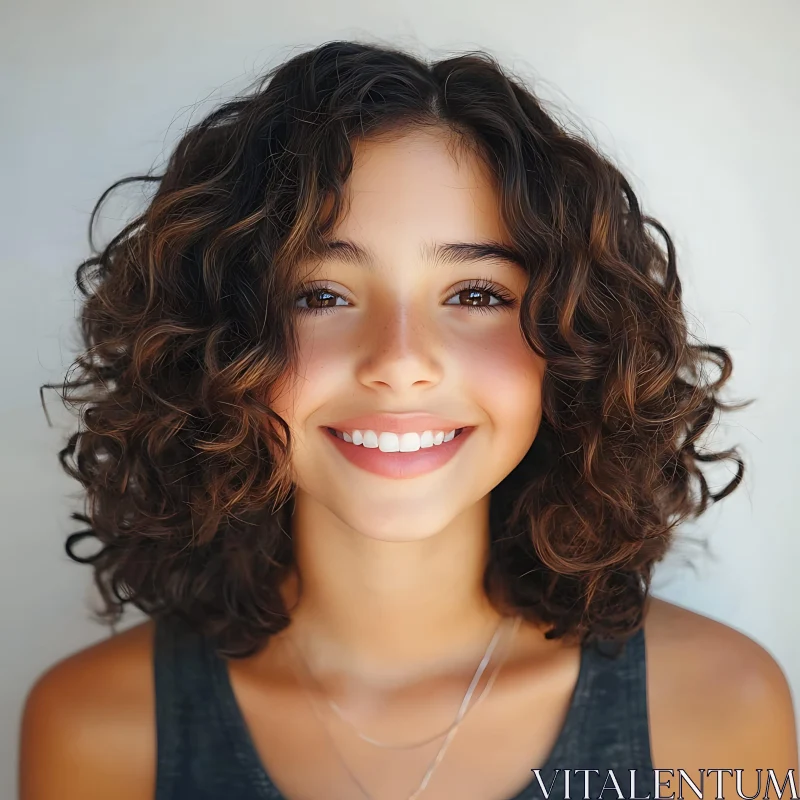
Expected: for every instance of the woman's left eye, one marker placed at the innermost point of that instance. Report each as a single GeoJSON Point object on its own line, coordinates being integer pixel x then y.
{"type": "Point", "coordinates": [471, 294]}
{"type": "Point", "coordinates": [473, 291]}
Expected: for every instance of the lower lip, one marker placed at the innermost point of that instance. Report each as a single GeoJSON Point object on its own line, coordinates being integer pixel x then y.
{"type": "Point", "coordinates": [399, 465]}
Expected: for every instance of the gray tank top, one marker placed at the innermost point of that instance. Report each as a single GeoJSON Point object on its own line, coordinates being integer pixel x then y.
{"type": "Point", "coordinates": [205, 751]}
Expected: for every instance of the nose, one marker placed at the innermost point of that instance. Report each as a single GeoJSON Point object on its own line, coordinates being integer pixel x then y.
{"type": "Point", "coordinates": [401, 350]}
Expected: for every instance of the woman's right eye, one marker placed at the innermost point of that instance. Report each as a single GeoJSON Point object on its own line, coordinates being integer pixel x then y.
{"type": "Point", "coordinates": [320, 294]}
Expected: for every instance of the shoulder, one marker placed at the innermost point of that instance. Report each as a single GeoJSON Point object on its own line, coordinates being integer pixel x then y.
{"type": "Point", "coordinates": [715, 696]}
{"type": "Point", "coordinates": [88, 723]}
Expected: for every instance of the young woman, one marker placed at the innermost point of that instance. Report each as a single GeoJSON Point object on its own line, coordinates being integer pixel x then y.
{"type": "Point", "coordinates": [392, 409]}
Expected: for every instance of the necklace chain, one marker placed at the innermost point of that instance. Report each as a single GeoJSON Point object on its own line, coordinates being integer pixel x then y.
{"type": "Point", "coordinates": [450, 732]}
{"type": "Point", "coordinates": [430, 739]}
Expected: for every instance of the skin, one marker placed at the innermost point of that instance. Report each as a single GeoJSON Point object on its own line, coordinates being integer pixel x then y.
{"type": "Point", "coordinates": [392, 609]}
{"type": "Point", "coordinates": [393, 568]}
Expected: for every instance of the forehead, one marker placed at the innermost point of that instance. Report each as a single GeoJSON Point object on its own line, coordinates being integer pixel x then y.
{"type": "Point", "coordinates": [419, 187]}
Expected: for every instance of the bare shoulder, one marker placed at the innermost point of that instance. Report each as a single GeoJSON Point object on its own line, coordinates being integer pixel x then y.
{"type": "Point", "coordinates": [88, 723]}
{"type": "Point", "coordinates": [716, 698]}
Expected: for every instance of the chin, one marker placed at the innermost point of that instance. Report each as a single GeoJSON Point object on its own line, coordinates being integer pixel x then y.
{"type": "Point", "coordinates": [401, 527]}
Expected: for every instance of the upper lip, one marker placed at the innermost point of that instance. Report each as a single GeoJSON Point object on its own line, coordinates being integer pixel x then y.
{"type": "Point", "coordinates": [398, 423]}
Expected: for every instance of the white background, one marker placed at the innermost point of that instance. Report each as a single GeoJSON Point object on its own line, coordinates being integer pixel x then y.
{"type": "Point", "coordinates": [699, 103]}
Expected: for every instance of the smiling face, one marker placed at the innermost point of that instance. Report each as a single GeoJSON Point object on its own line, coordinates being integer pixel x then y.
{"type": "Point", "coordinates": [383, 328]}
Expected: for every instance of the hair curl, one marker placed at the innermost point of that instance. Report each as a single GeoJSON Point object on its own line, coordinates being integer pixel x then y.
{"type": "Point", "coordinates": [190, 322]}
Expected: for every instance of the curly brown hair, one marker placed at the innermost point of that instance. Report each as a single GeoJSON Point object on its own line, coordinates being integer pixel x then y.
{"type": "Point", "coordinates": [187, 470]}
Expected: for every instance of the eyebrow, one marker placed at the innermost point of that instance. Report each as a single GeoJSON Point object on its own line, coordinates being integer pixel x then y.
{"type": "Point", "coordinates": [438, 254]}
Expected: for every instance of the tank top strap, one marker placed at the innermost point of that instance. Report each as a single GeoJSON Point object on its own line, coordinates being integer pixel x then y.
{"type": "Point", "coordinates": [178, 674]}
{"type": "Point", "coordinates": [608, 721]}
{"type": "Point", "coordinates": [199, 749]}
{"type": "Point", "coordinates": [605, 731]}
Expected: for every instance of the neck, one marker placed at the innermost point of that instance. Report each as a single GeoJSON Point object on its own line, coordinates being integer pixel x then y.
{"type": "Point", "coordinates": [388, 612]}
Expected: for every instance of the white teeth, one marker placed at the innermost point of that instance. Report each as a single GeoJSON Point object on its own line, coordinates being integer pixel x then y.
{"type": "Point", "coordinates": [393, 443]}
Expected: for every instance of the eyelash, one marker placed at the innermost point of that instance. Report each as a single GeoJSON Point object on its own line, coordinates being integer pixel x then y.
{"type": "Point", "coordinates": [480, 285]}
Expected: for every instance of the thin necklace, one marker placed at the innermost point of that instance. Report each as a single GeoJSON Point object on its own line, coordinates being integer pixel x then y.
{"type": "Point", "coordinates": [451, 732]}
{"type": "Point", "coordinates": [430, 739]}
{"type": "Point", "coordinates": [411, 745]}
{"type": "Point", "coordinates": [366, 738]}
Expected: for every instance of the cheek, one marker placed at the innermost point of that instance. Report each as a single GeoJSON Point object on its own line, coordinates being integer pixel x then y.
{"type": "Point", "coordinates": [312, 378]}
{"type": "Point", "coordinates": [504, 377]}
{"type": "Point", "coordinates": [323, 352]}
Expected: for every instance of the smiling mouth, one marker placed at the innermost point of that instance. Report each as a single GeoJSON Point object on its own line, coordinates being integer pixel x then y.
{"type": "Point", "coordinates": [338, 435]}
